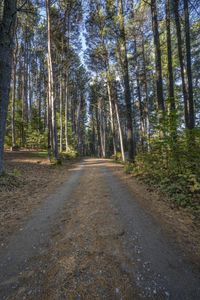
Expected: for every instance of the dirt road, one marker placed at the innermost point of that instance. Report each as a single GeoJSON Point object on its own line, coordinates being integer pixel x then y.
{"type": "Point", "coordinates": [93, 240]}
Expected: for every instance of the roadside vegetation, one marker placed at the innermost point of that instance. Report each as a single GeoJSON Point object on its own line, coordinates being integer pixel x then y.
{"type": "Point", "coordinates": [172, 169]}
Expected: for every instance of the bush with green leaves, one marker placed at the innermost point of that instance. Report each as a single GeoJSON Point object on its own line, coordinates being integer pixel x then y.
{"type": "Point", "coordinates": [36, 139]}
{"type": "Point", "coordinates": [70, 153]}
{"type": "Point", "coordinates": [172, 165]}
{"type": "Point", "coordinates": [117, 156]}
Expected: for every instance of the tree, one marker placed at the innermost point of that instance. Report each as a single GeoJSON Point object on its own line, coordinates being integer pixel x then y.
{"type": "Point", "coordinates": [127, 93]}
{"type": "Point", "coordinates": [159, 80]}
{"type": "Point", "coordinates": [181, 61]}
{"type": "Point", "coordinates": [191, 116]}
{"type": "Point", "coordinates": [169, 57]}
{"type": "Point", "coordinates": [7, 26]}
{"type": "Point", "coordinates": [51, 98]}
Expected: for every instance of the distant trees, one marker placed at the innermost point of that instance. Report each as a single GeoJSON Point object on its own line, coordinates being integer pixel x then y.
{"type": "Point", "coordinates": [45, 97]}
{"type": "Point", "coordinates": [140, 54]}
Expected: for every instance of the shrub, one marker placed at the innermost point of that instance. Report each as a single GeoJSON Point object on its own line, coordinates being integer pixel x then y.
{"type": "Point", "coordinates": [70, 153]}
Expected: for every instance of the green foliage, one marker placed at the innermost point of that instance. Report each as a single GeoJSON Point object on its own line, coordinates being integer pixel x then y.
{"type": "Point", "coordinates": [16, 173]}
{"type": "Point", "coordinates": [70, 153]}
{"type": "Point", "coordinates": [172, 166]}
{"type": "Point", "coordinates": [42, 154]}
{"type": "Point", "coordinates": [129, 168]}
{"type": "Point", "coordinates": [36, 139]}
{"type": "Point", "coordinates": [117, 156]}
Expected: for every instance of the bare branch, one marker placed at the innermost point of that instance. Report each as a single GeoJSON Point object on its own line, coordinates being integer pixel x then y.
{"type": "Point", "coordinates": [20, 8]}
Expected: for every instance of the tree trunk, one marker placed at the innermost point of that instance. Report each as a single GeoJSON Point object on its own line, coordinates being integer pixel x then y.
{"type": "Point", "coordinates": [181, 61]}
{"type": "Point", "coordinates": [120, 131]}
{"type": "Point", "coordinates": [111, 113]}
{"type": "Point", "coordinates": [61, 109]}
{"type": "Point", "coordinates": [127, 92]}
{"type": "Point", "coordinates": [51, 86]}
{"type": "Point", "coordinates": [169, 57]}
{"type": "Point", "coordinates": [147, 127]}
{"type": "Point", "coordinates": [173, 121]}
{"type": "Point", "coordinates": [98, 132]}
{"type": "Point", "coordinates": [7, 25]}
{"type": "Point", "coordinates": [66, 111]}
{"type": "Point", "coordinates": [13, 98]}
{"type": "Point", "coordinates": [159, 81]}
{"type": "Point", "coordinates": [189, 67]}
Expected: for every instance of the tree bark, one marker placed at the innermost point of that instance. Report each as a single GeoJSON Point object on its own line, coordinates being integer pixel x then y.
{"type": "Point", "coordinates": [158, 64]}
{"type": "Point", "coordinates": [189, 67]}
{"type": "Point", "coordinates": [51, 86]}
{"type": "Point", "coordinates": [13, 97]}
{"type": "Point", "coordinates": [119, 128]}
{"type": "Point", "coordinates": [169, 57]}
{"type": "Point", "coordinates": [66, 111]}
{"type": "Point", "coordinates": [127, 92]}
{"type": "Point", "coordinates": [147, 127]}
{"type": "Point", "coordinates": [61, 109]}
{"type": "Point", "coordinates": [181, 61]}
{"type": "Point", "coordinates": [7, 25]}
{"type": "Point", "coordinates": [110, 100]}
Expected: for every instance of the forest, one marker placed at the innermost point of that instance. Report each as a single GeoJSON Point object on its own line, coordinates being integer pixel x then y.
{"type": "Point", "coordinates": [99, 149]}
{"type": "Point", "coordinates": [110, 79]}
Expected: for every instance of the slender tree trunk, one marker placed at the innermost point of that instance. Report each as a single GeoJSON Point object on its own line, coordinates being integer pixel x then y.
{"type": "Point", "coordinates": [159, 80]}
{"type": "Point", "coordinates": [189, 67]}
{"type": "Point", "coordinates": [141, 106]}
{"type": "Point", "coordinates": [169, 57]}
{"type": "Point", "coordinates": [98, 133]}
{"type": "Point", "coordinates": [127, 92]}
{"type": "Point", "coordinates": [181, 60]}
{"type": "Point", "coordinates": [110, 95]}
{"type": "Point", "coordinates": [111, 114]}
{"type": "Point", "coordinates": [51, 85]}
{"type": "Point", "coordinates": [49, 127]}
{"type": "Point", "coordinates": [120, 131]}
{"type": "Point", "coordinates": [13, 99]}
{"type": "Point", "coordinates": [30, 96]}
{"type": "Point", "coordinates": [147, 127]}
{"type": "Point", "coordinates": [61, 110]}
{"type": "Point", "coordinates": [173, 121]}
{"type": "Point", "coordinates": [141, 110]}
{"type": "Point", "coordinates": [93, 143]}
{"type": "Point", "coordinates": [102, 129]}
{"type": "Point", "coordinates": [7, 25]}
{"type": "Point", "coordinates": [66, 111]}
{"type": "Point", "coordinates": [39, 99]}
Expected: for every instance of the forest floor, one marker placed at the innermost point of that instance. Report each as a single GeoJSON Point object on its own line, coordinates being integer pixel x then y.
{"type": "Point", "coordinates": [86, 230]}
{"type": "Point", "coordinates": [30, 179]}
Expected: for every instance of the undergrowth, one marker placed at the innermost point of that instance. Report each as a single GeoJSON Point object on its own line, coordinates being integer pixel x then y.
{"type": "Point", "coordinates": [172, 168]}
{"type": "Point", "coordinates": [69, 154]}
